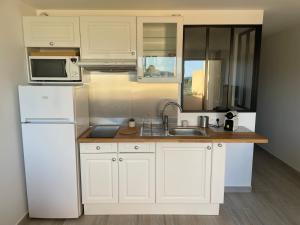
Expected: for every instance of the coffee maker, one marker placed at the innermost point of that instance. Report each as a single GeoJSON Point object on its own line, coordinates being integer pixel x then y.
{"type": "Point", "coordinates": [231, 122]}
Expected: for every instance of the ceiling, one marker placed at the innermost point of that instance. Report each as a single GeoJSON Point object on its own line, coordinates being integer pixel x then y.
{"type": "Point", "coordinates": [279, 14]}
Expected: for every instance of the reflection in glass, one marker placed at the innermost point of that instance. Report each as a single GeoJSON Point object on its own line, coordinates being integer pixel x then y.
{"type": "Point", "coordinates": [159, 45]}
{"type": "Point", "coordinates": [194, 53]}
{"type": "Point", "coordinates": [194, 83]}
{"type": "Point", "coordinates": [206, 68]}
{"type": "Point", "coordinates": [159, 66]}
{"type": "Point", "coordinates": [218, 57]}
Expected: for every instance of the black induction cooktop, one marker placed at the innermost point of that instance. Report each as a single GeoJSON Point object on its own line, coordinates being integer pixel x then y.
{"type": "Point", "coordinates": [104, 131]}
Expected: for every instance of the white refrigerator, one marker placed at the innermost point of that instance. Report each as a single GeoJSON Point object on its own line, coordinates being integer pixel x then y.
{"type": "Point", "coordinates": [52, 118]}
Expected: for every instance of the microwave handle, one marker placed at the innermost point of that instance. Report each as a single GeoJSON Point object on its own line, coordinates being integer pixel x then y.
{"type": "Point", "coordinates": [67, 67]}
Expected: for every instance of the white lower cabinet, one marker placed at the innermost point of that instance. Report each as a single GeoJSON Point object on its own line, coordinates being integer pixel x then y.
{"type": "Point", "coordinates": [183, 172]}
{"type": "Point", "coordinates": [137, 178]}
{"type": "Point", "coordinates": [99, 177]}
{"type": "Point", "coordinates": [152, 178]}
{"type": "Point", "coordinates": [111, 177]}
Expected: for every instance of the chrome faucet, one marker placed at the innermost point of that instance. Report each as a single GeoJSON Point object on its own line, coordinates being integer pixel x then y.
{"type": "Point", "coordinates": [165, 118]}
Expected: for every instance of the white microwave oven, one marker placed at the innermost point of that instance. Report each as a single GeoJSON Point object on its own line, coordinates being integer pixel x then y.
{"type": "Point", "coordinates": [54, 68]}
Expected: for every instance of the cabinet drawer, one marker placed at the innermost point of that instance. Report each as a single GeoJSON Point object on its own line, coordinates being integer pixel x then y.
{"type": "Point", "coordinates": [137, 147]}
{"type": "Point", "coordinates": [98, 147]}
{"type": "Point", "coordinates": [187, 145]}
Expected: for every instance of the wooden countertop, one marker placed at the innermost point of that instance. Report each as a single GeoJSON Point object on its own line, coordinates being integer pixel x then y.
{"type": "Point", "coordinates": [212, 136]}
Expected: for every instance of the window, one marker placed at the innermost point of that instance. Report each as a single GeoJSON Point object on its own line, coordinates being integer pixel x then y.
{"type": "Point", "coordinates": [220, 68]}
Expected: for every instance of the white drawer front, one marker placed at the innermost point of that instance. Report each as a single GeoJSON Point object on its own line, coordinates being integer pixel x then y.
{"type": "Point", "coordinates": [137, 147]}
{"type": "Point", "coordinates": [98, 147]}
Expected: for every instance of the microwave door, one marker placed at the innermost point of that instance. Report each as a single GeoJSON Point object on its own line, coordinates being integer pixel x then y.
{"type": "Point", "coordinates": [48, 69]}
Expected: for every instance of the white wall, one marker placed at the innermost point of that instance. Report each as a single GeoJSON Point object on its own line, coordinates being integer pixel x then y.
{"type": "Point", "coordinates": [12, 186]}
{"type": "Point", "coordinates": [279, 94]}
{"type": "Point", "coordinates": [239, 157]}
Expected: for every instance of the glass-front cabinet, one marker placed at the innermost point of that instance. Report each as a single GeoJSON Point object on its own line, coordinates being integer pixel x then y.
{"type": "Point", "coordinates": [220, 67]}
{"type": "Point", "coordinates": [159, 44]}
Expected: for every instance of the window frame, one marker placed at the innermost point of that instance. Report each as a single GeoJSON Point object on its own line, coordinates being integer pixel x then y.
{"type": "Point", "coordinates": [256, 61]}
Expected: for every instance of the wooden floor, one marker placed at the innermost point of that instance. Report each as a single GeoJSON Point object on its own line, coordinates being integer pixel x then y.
{"type": "Point", "coordinates": [275, 200]}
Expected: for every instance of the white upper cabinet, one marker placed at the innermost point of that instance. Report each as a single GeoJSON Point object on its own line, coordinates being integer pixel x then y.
{"type": "Point", "coordinates": [108, 37]}
{"type": "Point", "coordinates": [47, 31]}
{"type": "Point", "coordinates": [159, 44]}
{"type": "Point", "coordinates": [183, 172]}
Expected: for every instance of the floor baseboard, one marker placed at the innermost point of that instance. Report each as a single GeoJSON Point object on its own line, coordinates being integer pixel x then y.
{"type": "Point", "coordinates": [22, 219]}
{"type": "Point", "coordinates": [238, 189]}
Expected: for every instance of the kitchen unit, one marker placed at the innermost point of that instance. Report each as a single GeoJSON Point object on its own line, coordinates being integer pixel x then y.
{"type": "Point", "coordinates": [138, 174]}
{"type": "Point", "coordinates": [52, 118]}
{"type": "Point", "coordinates": [134, 174]}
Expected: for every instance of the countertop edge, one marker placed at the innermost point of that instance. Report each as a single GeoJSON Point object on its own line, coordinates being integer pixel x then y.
{"type": "Point", "coordinates": [249, 137]}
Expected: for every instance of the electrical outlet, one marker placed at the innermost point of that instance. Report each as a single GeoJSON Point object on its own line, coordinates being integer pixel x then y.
{"type": "Point", "coordinates": [212, 120]}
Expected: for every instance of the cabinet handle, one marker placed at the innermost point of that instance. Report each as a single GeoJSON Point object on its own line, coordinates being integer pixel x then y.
{"type": "Point", "coordinates": [51, 43]}
{"type": "Point", "coordinates": [132, 52]}
{"type": "Point", "coordinates": [113, 159]}
{"type": "Point", "coordinates": [220, 145]}
{"type": "Point", "coordinates": [208, 148]}
{"type": "Point", "coordinates": [98, 148]}
{"type": "Point", "coordinates": [120, 159]}
{"type": "Point", "coordinates": [136, 147]}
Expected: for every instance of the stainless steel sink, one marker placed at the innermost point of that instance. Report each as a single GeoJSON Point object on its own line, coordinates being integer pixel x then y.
{"type": "Point", "coordinates": [177, 131]}
{"type": "Point", "coordinates": [184, 131]}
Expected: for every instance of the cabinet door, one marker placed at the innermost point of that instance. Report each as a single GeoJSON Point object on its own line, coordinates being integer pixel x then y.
{"type": "Point", "coordinates": [183, 172]}
{"type": "Point", "coordinates": [137, 178]}
{"type": "Point", "coordinates": [99, 177]}
{"type": "Point", "coordinates": [108, 37]}
{"type": "Point", "coordinates": [159, 41]}
{"type": "Point", "coordinates": [48, 31]}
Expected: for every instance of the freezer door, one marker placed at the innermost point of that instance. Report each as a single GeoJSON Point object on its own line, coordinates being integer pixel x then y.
{"type": "Point", "coordinates": [51, 164]}
{"type": "Point", "coordinates": [46, 103]}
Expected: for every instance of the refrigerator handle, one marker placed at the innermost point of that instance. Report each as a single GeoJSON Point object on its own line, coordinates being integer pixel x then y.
{"type": "Point", "coordinates": [47, 120]}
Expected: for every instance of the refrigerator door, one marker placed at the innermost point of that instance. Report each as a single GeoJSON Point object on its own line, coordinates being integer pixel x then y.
{"type": "Point", "coordinates": [51, 162]}
{"type": "Point", "coordinates": [46, 104]}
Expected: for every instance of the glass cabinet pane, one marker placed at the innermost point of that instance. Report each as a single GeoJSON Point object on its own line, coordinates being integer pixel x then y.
{"type": "Point", "coordinates": [159, 50]}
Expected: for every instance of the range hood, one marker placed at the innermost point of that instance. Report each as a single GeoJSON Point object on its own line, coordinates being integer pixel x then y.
{"type": "Point", "coordinates": [108, 65]}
